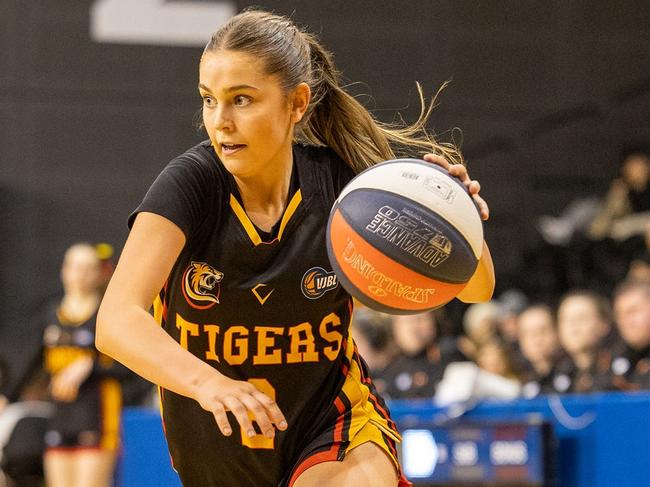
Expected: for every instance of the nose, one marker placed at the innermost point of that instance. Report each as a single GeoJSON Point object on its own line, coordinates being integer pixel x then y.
{"type": "Point", "coordinates": [223, 118]}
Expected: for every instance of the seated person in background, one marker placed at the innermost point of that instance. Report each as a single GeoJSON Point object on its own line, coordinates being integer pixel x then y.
{"type": "Point", "coordinates": [373, 335]}
{"type": "Point", "coordinates": [630, 365]}
{"type": "Point", "coordinates": [511, 304]}
{"type": "Point", "coordinates": [495, 357]}
{"type": "Point", "coordinates": [626, 209]}
{"type": "Point", "coordinates": [480, 324]}
{"type": "Point", "coordinates": [419, 367]}
{"type": "Point", "coordinates": [584, 320]}
{"type": "Point", "coordinates": [639, 269]}
{"type": "Point", "coordinates": [539, 347]}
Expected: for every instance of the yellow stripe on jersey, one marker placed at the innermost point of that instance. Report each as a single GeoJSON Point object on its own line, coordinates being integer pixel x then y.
{"type": "Point", "coordinates": [245, 221]}
{"type": "Point", "coordinates": [58, 358]}
{"type": "Point", "coordinates": [288, 213]}
{"type": "Point", "coordinates": [158, 309]}
{"type": "Point", "coordinates": [250, 228]}
{"type": "Point", "coordinates": [111, 397]}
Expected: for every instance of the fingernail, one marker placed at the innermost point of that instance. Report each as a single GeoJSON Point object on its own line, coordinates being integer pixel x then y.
{"type": "Point", "coordinates": [227, 431]}
{"type": "Point", "coordinates": [251, 433]}
{"type": "Point", "coordinates": [283, 424]}
{"type": "Point", "coordinates": [269, 434]}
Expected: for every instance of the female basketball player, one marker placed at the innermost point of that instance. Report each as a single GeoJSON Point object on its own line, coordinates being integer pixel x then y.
{"type": "Point", "coordinates": [82, 436]}
{"type": "Point", "coordinates": [225, 240]}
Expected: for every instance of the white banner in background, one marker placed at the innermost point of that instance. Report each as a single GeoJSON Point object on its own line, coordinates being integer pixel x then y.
{"type": "Point", "coordinates": [158, 22]}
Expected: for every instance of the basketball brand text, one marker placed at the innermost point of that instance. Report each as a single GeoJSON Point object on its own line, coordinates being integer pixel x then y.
{"type": "Point", "coordinates": [409, 232]}
{"type": "Point", "coordinates": [380, 283]}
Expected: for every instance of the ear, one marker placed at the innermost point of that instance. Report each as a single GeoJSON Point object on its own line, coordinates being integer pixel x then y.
{"type": "Point", "coordinates": [299, 100]}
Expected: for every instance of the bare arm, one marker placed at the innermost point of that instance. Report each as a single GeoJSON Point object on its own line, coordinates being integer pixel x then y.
{"type": "Point", "coordinates": [125, 329]}
{"type": "Point", "coordinates": [128, 333]}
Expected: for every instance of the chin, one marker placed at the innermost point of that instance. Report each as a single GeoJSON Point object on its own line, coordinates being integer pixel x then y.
{"type": "Point", "coordinates": [236, 167]}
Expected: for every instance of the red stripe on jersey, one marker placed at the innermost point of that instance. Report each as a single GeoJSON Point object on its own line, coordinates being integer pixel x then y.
{"type": "Point", "coordinates": [325, 456]}
{"type": "Point", "coordinates": [340, 407]}
{"type": "Point", "coordinates": [344, 369]}
{"type": "Point", "coordinates": [338, 429]}
{"type": "Point", "coordinates": [382, 411]}
{"type": "Point", "coordinates": [376, 402]}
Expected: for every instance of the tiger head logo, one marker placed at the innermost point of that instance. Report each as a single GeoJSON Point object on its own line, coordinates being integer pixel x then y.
{"type": "Point", "coordinates": [201, 285]}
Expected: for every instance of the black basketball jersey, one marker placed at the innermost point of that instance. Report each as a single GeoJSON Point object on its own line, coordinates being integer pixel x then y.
{"type": "Point", "coordinates": [65, 341]}
{"type": "Point", "coordinates": [93, 418]}
{"type": "Point", "coordinates": [270, 312]}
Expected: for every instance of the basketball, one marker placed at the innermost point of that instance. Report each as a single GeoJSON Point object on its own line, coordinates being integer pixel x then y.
{"type": "Point", "coordinates": [404, 236]}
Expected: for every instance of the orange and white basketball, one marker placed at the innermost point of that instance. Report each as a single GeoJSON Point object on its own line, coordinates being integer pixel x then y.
{"type": "Point", "coordinates": [404, 236]}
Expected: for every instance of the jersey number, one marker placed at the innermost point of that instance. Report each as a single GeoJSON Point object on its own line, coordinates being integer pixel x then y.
{"type": "Point", "coordinates": [259, 441]}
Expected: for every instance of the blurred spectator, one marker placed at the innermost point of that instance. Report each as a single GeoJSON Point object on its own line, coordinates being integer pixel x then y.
{"type": "Point", "coordinates": [630, 365]}
{"type": "Point", "coordinates": [575, 219]}
{"type": "Point", "coordinates": [495, 357]}
{"type": "Point", "coordinates": [639, 269]}
{"type": "Point", "coordinates": [540, 348]}
{"type": "Point", "coordinates": [584, 320]}
{"type": "Point", "coordinates": [626, 209]}
{"type": "Point", "coordinates": [372, 333]}
{"type": "Point", "coordinates": [511, 303]}
{"type": "Point", "coordinates": [419, 367]}
{"type": "Point", "coordinates": [595, 241]}
{"type": "Point", "coordinates": [480, 324]}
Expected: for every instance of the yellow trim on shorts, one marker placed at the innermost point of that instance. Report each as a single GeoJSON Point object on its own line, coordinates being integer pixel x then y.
{"type": "Point", "coordinates": [371, 433]}
{"type": "Point", "coordinates": [363, 411]}
{"type": "Point", "coordinates": [111, 398]}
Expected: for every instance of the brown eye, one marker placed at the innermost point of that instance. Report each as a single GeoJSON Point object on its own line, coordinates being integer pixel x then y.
{"type": "Point", "coordinates": [209, 102]}
{"type": "Point", "coordinates": [242, 100]}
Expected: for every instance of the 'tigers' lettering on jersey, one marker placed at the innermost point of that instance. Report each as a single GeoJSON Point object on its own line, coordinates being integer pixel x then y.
{"type": "Point", "coordinates": [237, 344]}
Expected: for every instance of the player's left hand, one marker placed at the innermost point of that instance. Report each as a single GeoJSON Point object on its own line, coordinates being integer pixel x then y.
{"type": "Point", "coordinates": [65, 384]}
{"type": "Point", "coordinates": [460, 171]}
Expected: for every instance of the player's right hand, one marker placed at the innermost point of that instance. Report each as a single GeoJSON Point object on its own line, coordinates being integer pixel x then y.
{"type": "Point", "coordinates": [219, 394]}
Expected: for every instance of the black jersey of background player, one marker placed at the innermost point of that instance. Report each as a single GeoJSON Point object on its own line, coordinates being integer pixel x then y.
{"type": "Point", "coordinates": [65, 342]}
{"type": "Point", "coordinates": [92, 419]}
{"type": "Point", "coordinates": [271, 312]}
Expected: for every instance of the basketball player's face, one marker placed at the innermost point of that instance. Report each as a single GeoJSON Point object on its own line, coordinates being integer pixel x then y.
{"type": "Point", "coordinates": [248, 116]}
{"type": "Point", "coordinates": [81, 271]}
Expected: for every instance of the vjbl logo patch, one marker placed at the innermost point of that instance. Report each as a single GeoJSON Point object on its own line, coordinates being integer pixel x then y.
{"type": "Point", "coordinates": [201, 285]}
{"type": "Point", "coordinates": [317, 281]}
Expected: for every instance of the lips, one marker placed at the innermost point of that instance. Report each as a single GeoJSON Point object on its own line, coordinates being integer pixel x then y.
{"type": "Point", "coordinates": [229, 149]}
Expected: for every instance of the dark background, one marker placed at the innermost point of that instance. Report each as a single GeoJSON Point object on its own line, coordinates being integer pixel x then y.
{"type": "Point", "coordinates": [544, 95]}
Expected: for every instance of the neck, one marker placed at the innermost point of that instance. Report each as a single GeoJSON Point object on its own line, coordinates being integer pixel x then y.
{"type": "Point", "coordinates": [542, 367]}
{"type": "Point", "coordinates": [583, 360]}
{"type": "Point", "coordinates": [77, 305]}
{"type": "Point", "coordinates": [265, 196]}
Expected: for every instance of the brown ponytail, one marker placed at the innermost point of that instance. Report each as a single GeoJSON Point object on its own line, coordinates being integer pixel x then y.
{"type": "Point", "coordinates": [334, 118]}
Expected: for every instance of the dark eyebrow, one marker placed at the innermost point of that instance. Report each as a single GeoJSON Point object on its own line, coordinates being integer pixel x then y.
{"type": "Point", "coordinates": [232, 88]}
